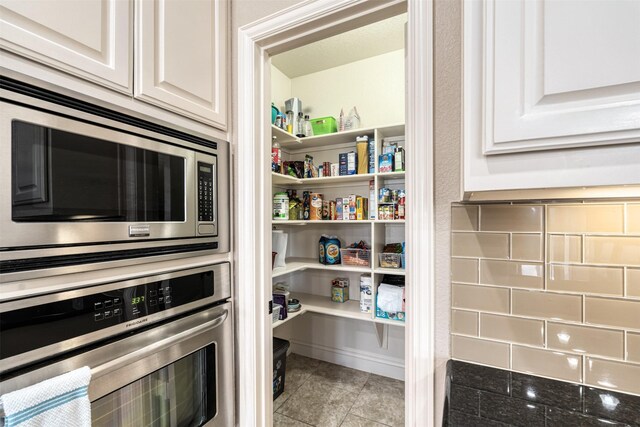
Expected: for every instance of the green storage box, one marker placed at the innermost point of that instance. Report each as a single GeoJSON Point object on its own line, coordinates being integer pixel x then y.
{"type": "Point", "coordinates": [323, 125]}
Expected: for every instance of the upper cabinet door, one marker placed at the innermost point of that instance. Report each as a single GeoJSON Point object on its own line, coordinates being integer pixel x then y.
{"type": "Point", "coordinates": [557, 74]}
{"type": "Point", "coordinates": [551, 94]}
{"type": "Point", "coordinates": [91, 39]}
{"type": "Point", "coordinates": [181, 57]}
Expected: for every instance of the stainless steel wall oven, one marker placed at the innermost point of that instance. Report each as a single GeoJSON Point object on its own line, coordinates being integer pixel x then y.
{"type": "Point", "coordinates": [160, 348]}
{"type": "Point", "coordinates": [82, 184]}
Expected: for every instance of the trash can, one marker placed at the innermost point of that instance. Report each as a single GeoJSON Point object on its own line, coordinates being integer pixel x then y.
{"type": "Point", "coordinates": [280, 348]}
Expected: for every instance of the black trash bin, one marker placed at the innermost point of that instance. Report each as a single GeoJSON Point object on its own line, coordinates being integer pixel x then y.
{"type": "Point", "coordinates": [280, 348]}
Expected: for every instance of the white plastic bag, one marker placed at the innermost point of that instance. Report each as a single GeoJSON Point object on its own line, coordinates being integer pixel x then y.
{"type": "Point", "coordinates": [279, 245]}
{"type": "Point", "coordinates": [390, 298]}
{"type": "Point", "coordinates": [353, 120]}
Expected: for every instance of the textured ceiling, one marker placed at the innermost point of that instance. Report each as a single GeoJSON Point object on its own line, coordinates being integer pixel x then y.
{"type": "Point", "coordinates": [365, 42]}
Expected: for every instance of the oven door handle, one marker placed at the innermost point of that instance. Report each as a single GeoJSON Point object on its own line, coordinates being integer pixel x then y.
{"type": "Point", "coordinates": [118, 372]}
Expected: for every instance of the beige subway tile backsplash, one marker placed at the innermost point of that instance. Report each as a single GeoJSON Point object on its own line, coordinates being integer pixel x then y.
{"type": "Point", "coordinates": [609, 374]}
{"type": "Point", "coordinates": [549, 289]}
{"type": "Point", "coordinates": [511, 218]}
{"type": "Point", "coordinates": [547, 305]}
{"type": "Point", "coordinates": [633, 347]}
{"type": "Point", "coordinates": [612, 250]}
{"type": "Point", "coordinates": [526, 247]}
{"type": "Point", "coordinates": [464, 270]}
{"type": "Point", "coordinates": [464, 218]}
{"type": "Point", "coordinates": [586, 279]}
{"type": "Point", "coordinates": [480, 351]}
{"type": "Point", "coordinates": [633, 218]}
{"type": "Point", "coordinates": [464, 322]}
{"type": "Point", "coordinates": [487, 245]}
{"type": "Point", "coordinates": [633, 282]}
{"type": "Point", "coordinates": [513, 329]}
{"type": "Point", "coordinates": [582, 218]}
{"type": "Point", "coordinates": [565, 248]}
{"type": "Point", "coordinates": [482, 298]}
{"type": "Point", "coordinates": [547, 363]}
{"type": "Point", "coordinates": [584, 339]}
{"type": "Point", "coordinates": [612, 312]}
{"type": "Point", "coordinates": [512, 273]}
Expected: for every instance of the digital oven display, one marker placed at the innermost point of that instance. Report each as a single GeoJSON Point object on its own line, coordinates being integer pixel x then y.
{"type": "Point", "coordinates": [58, 321]}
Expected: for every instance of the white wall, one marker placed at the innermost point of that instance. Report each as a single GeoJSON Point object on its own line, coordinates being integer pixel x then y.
{"type": "Point", "coordinates": [374, 85]}
{"type": "Point", "coordinates": [280, 87]}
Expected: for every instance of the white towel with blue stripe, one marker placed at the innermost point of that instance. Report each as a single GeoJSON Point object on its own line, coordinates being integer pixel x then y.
{"type": "Point", "coordinates": [59, 401]}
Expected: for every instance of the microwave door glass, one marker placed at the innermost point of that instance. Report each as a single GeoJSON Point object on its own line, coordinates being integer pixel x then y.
{"type": "Point", "coordinates": [60, 176]}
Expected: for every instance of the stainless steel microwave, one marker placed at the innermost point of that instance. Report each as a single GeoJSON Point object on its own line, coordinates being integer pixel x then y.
{"type": "Point", "coordinates": [81, 184]}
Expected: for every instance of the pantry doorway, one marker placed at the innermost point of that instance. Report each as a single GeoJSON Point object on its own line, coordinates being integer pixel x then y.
{"type": "Point", "coordinates": [257, 42]}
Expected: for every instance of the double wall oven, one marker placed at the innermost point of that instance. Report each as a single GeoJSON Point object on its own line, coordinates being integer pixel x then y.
{"type": "Point", "coordinates": [114, 241]}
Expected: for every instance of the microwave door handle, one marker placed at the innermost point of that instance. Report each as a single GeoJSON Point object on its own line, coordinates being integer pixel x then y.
{"type": "Point", "coordinates": [111, 367]}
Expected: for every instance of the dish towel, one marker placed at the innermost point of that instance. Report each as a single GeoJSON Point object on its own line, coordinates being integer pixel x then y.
{"type": "Point", "coordinates": [59, 401]}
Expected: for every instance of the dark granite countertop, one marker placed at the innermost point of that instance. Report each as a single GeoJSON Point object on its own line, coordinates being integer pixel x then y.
{"type": "Point", "coordinates": [483, 396]}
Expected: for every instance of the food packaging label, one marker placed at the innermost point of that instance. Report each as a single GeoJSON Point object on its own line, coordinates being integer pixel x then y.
{"type": "Point", "coordinates": [345, 208]}
{"type": "Point", "coordinates": [342, 160]}
{"type": "Point", "coordinates": [352, 163]}
{"type": "Point", "coordinates": [366, 294]}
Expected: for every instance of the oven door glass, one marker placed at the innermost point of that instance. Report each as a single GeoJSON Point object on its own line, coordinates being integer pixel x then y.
{"type": "Point", "coordinates": [59, 176]}
{"type": "Point", "coordinates": [182, 394]}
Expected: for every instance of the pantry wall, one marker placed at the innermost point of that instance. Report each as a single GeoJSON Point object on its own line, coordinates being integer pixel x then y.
{"type": "Point", "coordinates": [375, 85]}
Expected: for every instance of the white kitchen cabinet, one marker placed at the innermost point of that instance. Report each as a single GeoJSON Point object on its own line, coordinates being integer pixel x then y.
{"type": "Point", "coordinates": [91, 39]}
{"type": "Point", "coordinates": [181, 51]}
{"type": "Point", "coordinates": [551, 94]}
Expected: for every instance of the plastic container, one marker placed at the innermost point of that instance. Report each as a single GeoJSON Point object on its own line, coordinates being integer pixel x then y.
{"type": "Point", "coordinates": [275, 314]}
{"type": "Point", "coordinates": [280, 348]}
{"type": "Point", "coordinates": [356, 257]}
{"type": "Point", "coordinates": [390, 260]}
{"type": "Point", "coordinates": [281, 206]}
{"type": "Point", "coordinates": [324, 125]}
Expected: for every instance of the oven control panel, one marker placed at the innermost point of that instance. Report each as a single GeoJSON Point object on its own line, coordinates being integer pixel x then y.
{"type": "Point", "coordinates": [205, 192]}
{"type": "Point", "coordinates": [60, 320]}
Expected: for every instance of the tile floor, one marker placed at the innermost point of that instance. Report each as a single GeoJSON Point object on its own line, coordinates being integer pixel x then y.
{"type": "Point", "coordinates": [325, 395]}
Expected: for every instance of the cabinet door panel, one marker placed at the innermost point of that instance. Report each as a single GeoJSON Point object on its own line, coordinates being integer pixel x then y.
{"type": "Point", "coordinates": [91, 39]}
{"type": "Point", "coordinates": [181, 57]}
{"type": "Point", "coordinates": [560, 74]}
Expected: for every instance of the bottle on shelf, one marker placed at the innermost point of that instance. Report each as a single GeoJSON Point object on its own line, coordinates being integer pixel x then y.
{"type": "Point", "coordinates": [290, 120]}
{"type": "Point", "coordinates": [300, 128]}
{"type": "Point", "coordinates": [308, 129]}
{"type": "Point", "coordinates": [276, 156]}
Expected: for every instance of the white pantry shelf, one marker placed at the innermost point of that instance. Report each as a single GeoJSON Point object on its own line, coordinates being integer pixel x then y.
{"type": "Point", "coordinates": [323, 305]}
{"type": "Point", "coordinates": [299, 264]}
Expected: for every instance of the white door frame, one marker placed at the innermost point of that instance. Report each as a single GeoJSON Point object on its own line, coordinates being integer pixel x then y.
{"type": "Point", "coordinates": [309, 21]}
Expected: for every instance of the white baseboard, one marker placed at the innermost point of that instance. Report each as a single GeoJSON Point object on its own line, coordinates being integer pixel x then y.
{"type": "Point", "coordinates": [368, 362]}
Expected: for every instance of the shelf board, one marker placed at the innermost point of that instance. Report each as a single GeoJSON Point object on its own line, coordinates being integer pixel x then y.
{"type": "Point", "coordinates": [389, 221]}
{"type": "Point", "coordinates": [319, 221]}
{"type": "Point", "coordinates": [299, 264]}
{"type": "Point", "coordinates": [278, 178]}
{"type": "Point", "coordinates": [292, 143]}
{"type": "Point", "coordinates": [323, 305]}
{"type": "Point", "coordinates": [391, 175]}
{"type": "Point", "coordinates": [283, 137]}
{"type": "Point", "coordinates": [395, 271]}
{"type": "Point", "coordinates": [389, 322]}
{"type": "Point", "coordinates": [290, 316]}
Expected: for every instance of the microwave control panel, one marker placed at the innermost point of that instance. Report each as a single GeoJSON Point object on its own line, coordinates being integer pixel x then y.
{"type": "Point", "coordinates": [205, 192]}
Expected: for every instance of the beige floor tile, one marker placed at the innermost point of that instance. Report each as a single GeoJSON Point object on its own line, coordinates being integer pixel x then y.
{"type": "Point", "coordinates": [319, 404]}
{"type": "Point", "coordinates": [280, 420]}
{"type": "Point", "coordinates": [349, 379]}
{"type": "Point", "coordinates": [381, 400]}
{"type": "Point", "coordinates": [355, 421]}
